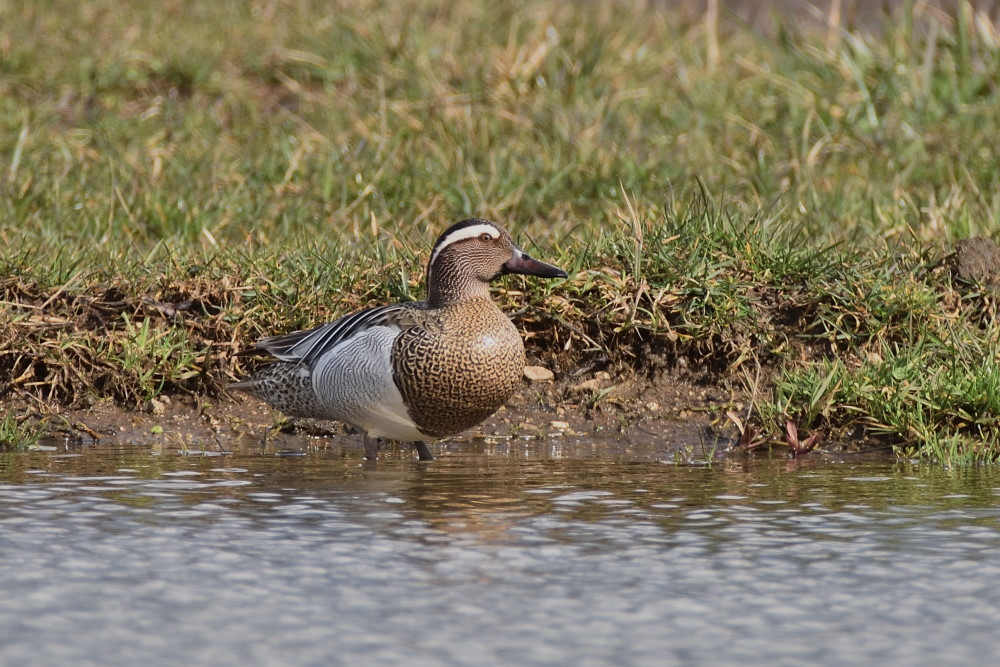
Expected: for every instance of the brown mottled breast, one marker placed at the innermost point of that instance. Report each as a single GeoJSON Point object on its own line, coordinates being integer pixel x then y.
{"type": "Point", "coordinates": [459, 367]}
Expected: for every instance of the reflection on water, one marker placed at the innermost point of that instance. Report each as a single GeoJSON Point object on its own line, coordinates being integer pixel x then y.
{"type": "Point", "coordinates": [117, 555]}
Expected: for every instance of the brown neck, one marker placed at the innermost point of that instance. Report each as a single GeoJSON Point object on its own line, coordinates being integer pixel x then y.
{"type": "Point", "coordinates": [448, 286]}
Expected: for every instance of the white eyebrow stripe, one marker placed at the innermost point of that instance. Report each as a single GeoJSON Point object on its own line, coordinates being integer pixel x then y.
{"type": "Point", "coordinates": [470, 232]}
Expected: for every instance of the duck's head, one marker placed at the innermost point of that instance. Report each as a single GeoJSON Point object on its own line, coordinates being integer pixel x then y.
{"type": "Point", "coordinates": [470, 254]}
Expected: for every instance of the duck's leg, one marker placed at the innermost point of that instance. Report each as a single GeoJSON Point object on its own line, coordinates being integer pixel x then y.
{"type": "Point", "coordinates": [371, 447]}
{"type": "Point", "coordinates": [423, 451]}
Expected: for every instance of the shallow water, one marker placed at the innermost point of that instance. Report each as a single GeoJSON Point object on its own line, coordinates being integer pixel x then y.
{"type": "Point", "coordinates": [116, 555]}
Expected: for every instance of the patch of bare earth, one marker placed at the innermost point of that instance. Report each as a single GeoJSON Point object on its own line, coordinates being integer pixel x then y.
{"type": "Point", "coordinates": [595, 415]}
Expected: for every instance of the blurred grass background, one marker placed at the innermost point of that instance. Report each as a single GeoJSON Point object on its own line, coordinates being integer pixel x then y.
{"type": "Point", "coordinates": [123, 124]}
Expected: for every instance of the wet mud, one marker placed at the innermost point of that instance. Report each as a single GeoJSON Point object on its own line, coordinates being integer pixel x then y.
{"type": "Point", "coordinates": [600, 416]}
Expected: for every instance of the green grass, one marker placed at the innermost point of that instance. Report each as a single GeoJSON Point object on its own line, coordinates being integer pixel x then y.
{"type": "Point", "coordinates": [19, 432]}
{"type": "Point", "coordinates": [179, 179]}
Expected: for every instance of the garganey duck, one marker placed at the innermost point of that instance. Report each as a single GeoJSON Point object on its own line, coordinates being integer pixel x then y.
{"type": "Point", "coordinates": [411, 372]}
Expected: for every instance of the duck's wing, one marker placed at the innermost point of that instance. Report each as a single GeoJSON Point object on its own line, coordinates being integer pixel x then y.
{"type": "Point", "coordinates": [307, 346]}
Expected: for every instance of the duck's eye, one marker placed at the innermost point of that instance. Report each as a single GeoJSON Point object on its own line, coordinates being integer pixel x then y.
{"type": "Point", "coordinates": [485, 238]}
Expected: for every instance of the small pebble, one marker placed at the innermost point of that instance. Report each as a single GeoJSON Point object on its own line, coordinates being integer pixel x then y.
{"type": "Point", "coordinates": [592, 384]}
{"type": "Point", "coordinates": [538, 374]}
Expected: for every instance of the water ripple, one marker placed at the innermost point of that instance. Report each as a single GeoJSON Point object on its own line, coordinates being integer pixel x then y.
{"type": "Point", "coordinates": [173, 560]}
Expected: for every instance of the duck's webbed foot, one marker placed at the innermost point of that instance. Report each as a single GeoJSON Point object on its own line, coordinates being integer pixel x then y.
{"type": "Point", "coordinates": [371, 447]}
{"type": "Point", "coordinates": [423, 451]}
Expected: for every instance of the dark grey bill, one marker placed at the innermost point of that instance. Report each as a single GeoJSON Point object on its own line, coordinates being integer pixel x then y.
{"type": "Point", "coordinates": [522, 263]}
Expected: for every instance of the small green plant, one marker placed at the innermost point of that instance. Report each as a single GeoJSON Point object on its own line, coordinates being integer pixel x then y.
{"type": "Point", "coordinates": [19, 432]}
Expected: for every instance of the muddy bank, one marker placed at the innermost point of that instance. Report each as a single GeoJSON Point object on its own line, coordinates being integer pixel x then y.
{"type": "Point", "coordinates": [681, 363]}
{"type": "Point", "coordinates": [667, 418]}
